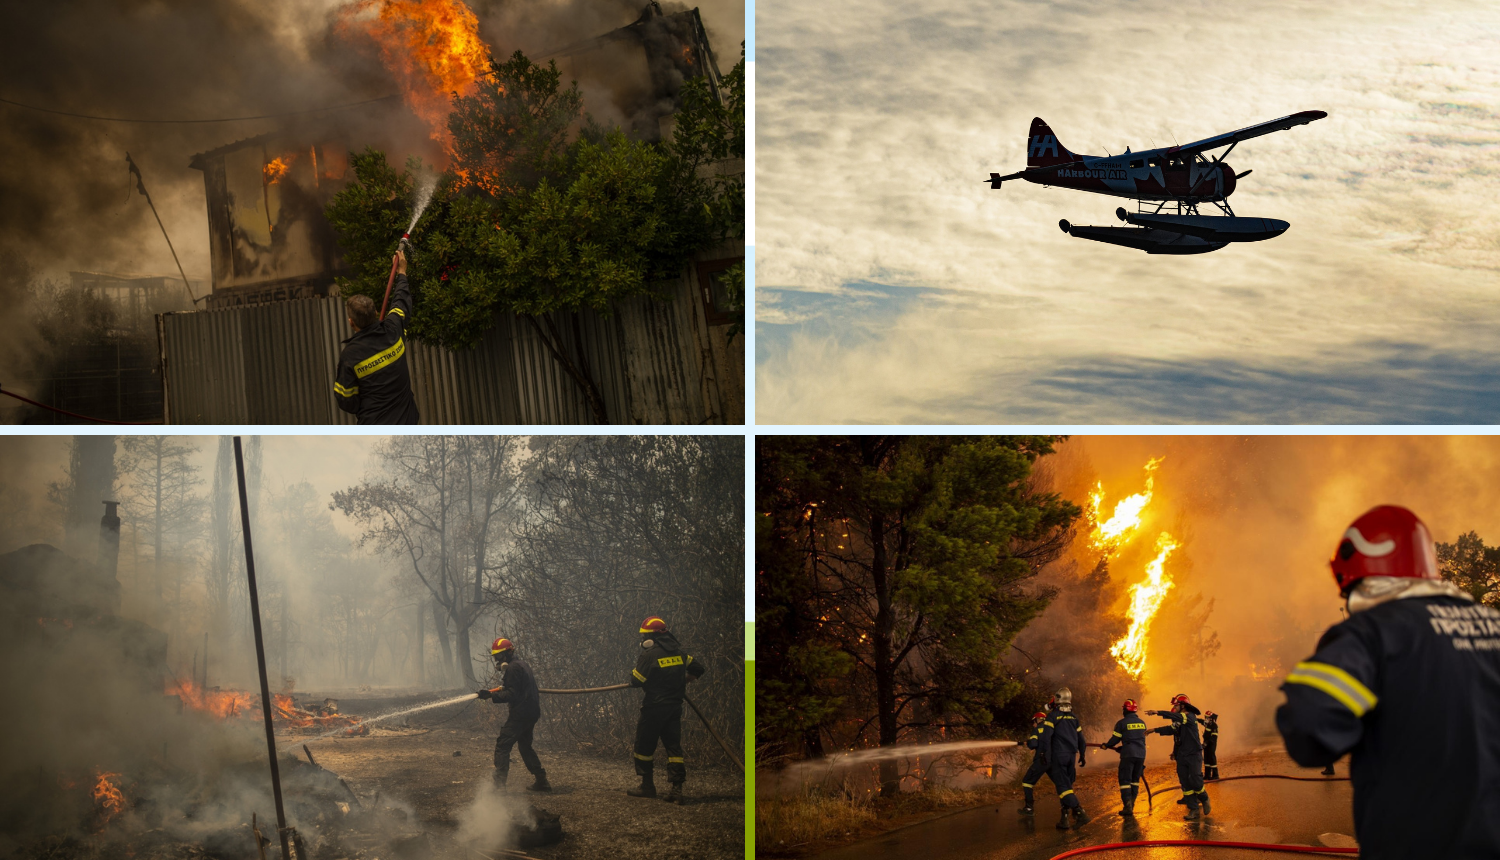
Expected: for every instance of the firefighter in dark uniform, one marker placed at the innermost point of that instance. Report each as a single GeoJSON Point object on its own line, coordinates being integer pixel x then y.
{"type": "Point", "coordinates": [1187, 750]}
{"type": "Point", "coordinates": [663, 669]}
{"type": "Point", "coordinates": [1062, 739]}
{"type": "Point", "coordinates": [1130, 738]}
{"type": "Point", "coordinates": [373, 381]}
{"type": "Point", "coordinates": [517, 689]}
{"type": "Point", "coordinates": [1409, 686]}
{"type": "Point", "coordinates": [1210, 745]}
{"type": "Point", "coordinates": [1038, 767]}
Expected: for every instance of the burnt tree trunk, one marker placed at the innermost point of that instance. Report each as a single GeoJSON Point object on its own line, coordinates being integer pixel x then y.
{"type": "Point", "coordinates": [885, 665]}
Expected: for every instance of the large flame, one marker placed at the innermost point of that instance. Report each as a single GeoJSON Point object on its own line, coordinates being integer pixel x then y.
{"type": "Point", "coordinates": [108, 797]}
{"type": "Point", "coordinates": [1145, 599]}
{"type": "Point", "coordinates": [1109, 535]}
{"type": "Point", "coordinates": [433, 49]}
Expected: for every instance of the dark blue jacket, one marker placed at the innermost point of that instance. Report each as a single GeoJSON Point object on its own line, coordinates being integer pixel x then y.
{"type": "Point", "coordinates": [1130, 737]}
{"type": "Point", "coordinates": [373, 381]}
{"type": "Point", "coordinates": [1184, 732]}
{"type": "Point", "coordinates": [1061, 737]}
{"type": "Point", "coordinates": [1410, 689]}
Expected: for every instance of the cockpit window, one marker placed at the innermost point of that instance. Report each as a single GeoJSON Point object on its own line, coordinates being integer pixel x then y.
{"type": "Point", "coordinates": [1154, 162]}
{"type": "Point", "coordinates": [1138, 163]}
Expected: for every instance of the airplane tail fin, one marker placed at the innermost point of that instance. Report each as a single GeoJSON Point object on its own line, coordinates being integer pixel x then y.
{"type": "Point", "coordinates": [1043, 149]}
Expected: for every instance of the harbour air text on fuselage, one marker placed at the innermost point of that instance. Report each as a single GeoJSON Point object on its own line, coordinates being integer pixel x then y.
{"type": "Point", "coordinates": [1169, 183]}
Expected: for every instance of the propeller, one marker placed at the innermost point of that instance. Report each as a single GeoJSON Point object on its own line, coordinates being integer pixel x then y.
{"type": "Point", "coordinates": [1243, 175]}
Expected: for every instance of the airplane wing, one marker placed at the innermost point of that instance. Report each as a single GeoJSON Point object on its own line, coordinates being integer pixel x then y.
{"type": "Point", "coordinates": [1234, 137]}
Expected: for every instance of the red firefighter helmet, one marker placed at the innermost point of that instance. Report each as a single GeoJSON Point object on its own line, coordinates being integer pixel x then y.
{"type": "Point", "coordinates": [1130, 705]}
{"type": "Point", "coordinates": [1384, 541]}
{"type": "Point", "coordinates": [499, 645]}
{"type": "Point", "coordinates": [1209, 715]}
{"type": "Point", "coordinates": [653, 625]}
{"type": "Point", "coordinates": [1038, 717]}
{"type": "Point", "coordinates": [1180, 698]}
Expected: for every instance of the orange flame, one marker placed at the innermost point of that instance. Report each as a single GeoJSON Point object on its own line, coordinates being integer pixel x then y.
{"type": "Point", "coordinates": [222, 704]}
{"type": "Point", "coordinates": [1109, 535]}
{"type": "Point", "coordinates": [433, 49]}
{"type": "Point", "coordinates": [1145, 600]}
{"type": "Point", "coordinates": [108, 797]}
{"type": "Point", "coordinates": [277, 167]}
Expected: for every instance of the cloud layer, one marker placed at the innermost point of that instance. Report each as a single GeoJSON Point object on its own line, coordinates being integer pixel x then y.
{"type": "Point", "coordinates": [878, 122]}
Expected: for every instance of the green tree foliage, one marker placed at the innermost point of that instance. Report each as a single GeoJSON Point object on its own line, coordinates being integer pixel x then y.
{"type": "Point", "coordinates": [534, 221]}
{"type": "Point", "coordinates": [1471, 565]}
{"type": "Point", "coordinates": [892, 572]}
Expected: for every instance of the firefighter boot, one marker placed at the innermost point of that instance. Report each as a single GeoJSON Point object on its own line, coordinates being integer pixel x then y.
{"type": "Point", "coordinates": [647, 788]}
{"type": "Point", "coordinates": [1127, 803]}
{"type": "Point", "coordinates": [1203, 799]}
{"type": "Point", "coordinates": [1080, 818]}
{"type": "Point", "coordinates": [1030, 807]}
{"type": "Point", "coordinates": [1063, 823]}
{"type": "Point", "coordinates": [1192, 813]}
{"type": "Point", "coordinates": [500, 778]}
{"type": "Point", "coordinates": [674, 794]}
{"type": "Point", "coordinates": [541, 783]}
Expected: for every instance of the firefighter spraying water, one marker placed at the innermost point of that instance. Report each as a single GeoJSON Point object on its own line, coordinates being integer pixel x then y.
{"type": "Point", "coordinates": [1129, 738]}
{"type": "Point", "coordinates": [1187, 751]}
{"type": "Point", "coordinates": [373, 379]}
{"type": "Point", "coordinates": [519, 690]}
{"type": "Point", "coordinates": [1062, 738]}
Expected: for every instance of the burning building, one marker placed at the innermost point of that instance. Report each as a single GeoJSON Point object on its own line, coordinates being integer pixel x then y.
{"type": "Point", "coordinates": [265, 350]}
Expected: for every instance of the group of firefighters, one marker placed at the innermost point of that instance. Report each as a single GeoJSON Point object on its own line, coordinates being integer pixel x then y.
{"type": "Point", "coordinates": [1057, 739]}
{"type": "Point", "coordinates": [1408, 686]}
{"type": "Point", "coordinates": [663, 670]}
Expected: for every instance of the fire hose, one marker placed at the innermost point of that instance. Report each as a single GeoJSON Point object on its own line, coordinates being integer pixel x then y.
{"type": "Point", "coordinates": [66, 412]}
{"type": "Point", "coordinates": [1197, 843]}
{"type": "Point", "coordinates": [1259, 846]}
{"type": "Point", "coordinates": [706, 724]}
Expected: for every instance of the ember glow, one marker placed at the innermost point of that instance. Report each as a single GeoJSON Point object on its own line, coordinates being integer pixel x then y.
{"type": "Point", "coordinates": [1108, 535]}
{"type": "Point", "coordinates": [431, 47]}
{"type": "Point", "coordinates": [1145, 599]}
{"type": "Point", "coordinates": [108, 797]}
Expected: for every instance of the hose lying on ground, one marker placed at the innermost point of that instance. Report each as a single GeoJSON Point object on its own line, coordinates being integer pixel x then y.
{"type": "Point", "coordinates": [1198, 843]}
{"type": "Point", "coordinates": [1208, 782]}
{"type": "Point", "coordinates": [727, 751]}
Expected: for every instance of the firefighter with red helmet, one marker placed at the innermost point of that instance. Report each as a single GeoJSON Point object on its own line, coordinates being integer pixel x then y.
{"type": "Point", "coordinates": [517, 689]}
{"type": "Point", "coordinates": [1187, 750]}
{"type": "Point", "coordinates": [1130, 739]}
{"type": "Point", "coordinates": [1210, 745]}
{"type": "Point", "coordinates": [1038, 767]}
{"type": "Point", "coordinates": [664, 670]}
{"type": "Point", "coordinates": [1061, 740]}
{"type": "Point", "coordinates": [1409, 686]}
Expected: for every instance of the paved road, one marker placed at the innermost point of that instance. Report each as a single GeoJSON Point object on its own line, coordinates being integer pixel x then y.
{"type": "Point", "coordinates": [1253, 810]}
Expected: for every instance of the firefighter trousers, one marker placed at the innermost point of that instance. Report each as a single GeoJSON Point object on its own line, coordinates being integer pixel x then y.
{"type": "Point", "coordinates": [1210, 763]}
{"type": "Point", "coordinates": [1190, 775]}
{"type": "Point", "coordinates": [1062, 774]}
{"type": "Point", "coordinates": [660, 723]}
{"type": "Point", "coordinates": [1130, 780]}
{"type": "Point", "coordinates": [515, 733]}
{"type": "Point", "coordinates": [1033, 775]}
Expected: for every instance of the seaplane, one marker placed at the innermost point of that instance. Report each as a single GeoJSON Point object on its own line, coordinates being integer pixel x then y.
{"type": "Point", "coordinates": [1168, 185]}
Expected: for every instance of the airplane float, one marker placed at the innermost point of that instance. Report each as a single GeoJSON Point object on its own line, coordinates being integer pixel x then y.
{"type": "Point", "coordinates": [1169, 185]}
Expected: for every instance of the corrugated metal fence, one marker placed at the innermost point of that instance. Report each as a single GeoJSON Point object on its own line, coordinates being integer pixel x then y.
{"type": "Point", "coordinates": [274, 364]}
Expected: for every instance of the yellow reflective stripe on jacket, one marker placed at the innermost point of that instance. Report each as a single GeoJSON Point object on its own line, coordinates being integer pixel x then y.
{"type": "Point", "coordinates": [1117, 734]}
{"type": "Point", "coordinates": [638, 675]}
{"type": "Point", "coordinates": [1049, 723]}
{"type": "Point", "coordinates": [1337, 683]}
{"type": "Point", "coordinates": [345, 392]}
{"type": "Point", "coordinates": [1136, 726]}
{"type": "Point", "coordinates": [381, 359]}
{"type": "Point", "coordinates": [398, 312]}
{"type": "Point", "coordinates": [664, 662]}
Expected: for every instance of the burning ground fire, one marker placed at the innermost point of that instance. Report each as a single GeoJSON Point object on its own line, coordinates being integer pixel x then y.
{"type": "Point", "coordinates": [432, 47]}
{"type": "Point", "coordinates": [1107, 536]}
{"type": "Point", "coordinates": [237, 704]}
{"type": "Point", "coordinates": [108, 797]}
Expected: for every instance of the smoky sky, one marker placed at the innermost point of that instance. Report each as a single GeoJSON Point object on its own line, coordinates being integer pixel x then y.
{"type": "Point", "coordinates": [894, 286]}
{"type": "Point", "coordinates": [63, 181]}
{"type": "Point", "coordinates": [1258, 518]}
